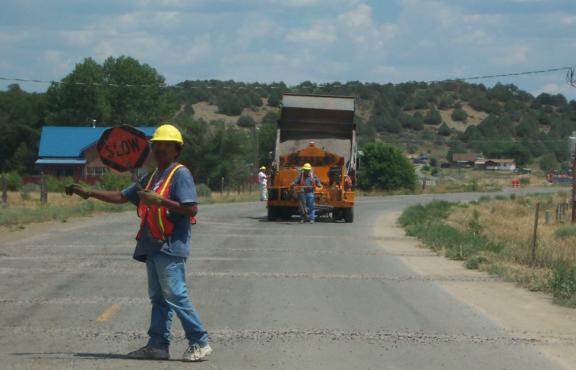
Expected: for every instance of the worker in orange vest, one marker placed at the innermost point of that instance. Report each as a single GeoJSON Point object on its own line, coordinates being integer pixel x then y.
{"type": "Point", "coordinates": [166, 201]}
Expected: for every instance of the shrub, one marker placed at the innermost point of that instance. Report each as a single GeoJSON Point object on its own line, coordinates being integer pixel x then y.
{"type": "Point", "coordinates": [459, 115]}
{"type": "Point", "coordinates": [25, 195]}
{"type": "Point", "coordinates": [444, 130]}
{"type": "Point", "coordinates": [246, 121]}
{"type": "Point", "coordinates": [474, 262]}
{"type": "Point", "coordinates": [13, 181]}
{"type": "Point", "coordinates": [524, 181]}
{"type": "Point", "coordinates": [563, 282]}
{"type": "Point", "coordinates": [433, 117]}
{"type": "Point", "coordinates": [113, 181]}
{"type": "Point", "coordinates": [57, 184]}
{"type": "Point", "coordinates": [203, 190]}
{"type": "Point", "coordinates": [565, 232]}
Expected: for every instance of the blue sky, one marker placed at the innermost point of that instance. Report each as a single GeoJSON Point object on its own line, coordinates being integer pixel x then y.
{"type": "Point", "coordinates": [295, 40]}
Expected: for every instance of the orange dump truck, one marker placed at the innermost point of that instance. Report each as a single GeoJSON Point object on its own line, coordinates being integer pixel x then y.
{"type": "Point", "coordinates": [319, 130]}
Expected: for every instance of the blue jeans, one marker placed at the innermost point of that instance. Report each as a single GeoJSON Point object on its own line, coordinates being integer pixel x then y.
{"type": "Point", "coordinates": [310, 205]}
{"type": "Point", "coordinates": [169, 294]}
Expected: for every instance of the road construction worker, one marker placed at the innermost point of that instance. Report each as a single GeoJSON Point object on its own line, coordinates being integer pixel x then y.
{"type": "Point", "coordinates": [307, 181]}
{"type": "Point", "coordinates": [263, 183]}
{"type": "Point", "coordinates": [166, 201]}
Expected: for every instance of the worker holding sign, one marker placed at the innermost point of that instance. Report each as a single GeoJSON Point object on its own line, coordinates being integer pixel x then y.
{"type": "Point", "coordinates": [166, 200]}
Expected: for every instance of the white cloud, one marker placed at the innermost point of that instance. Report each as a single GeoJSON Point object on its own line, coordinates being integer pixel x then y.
{"type": "Point", "coordinates": [513, 55]}
{"type": "Point", "coordinates": [322, 31]}
{"type": "Point", "coordinates": [555, 88]}
{"type": "Point", "coordinates": [256, 28]}
{"type": "Point", "coordinates": [59, 62]}
{"type": "Point", "coordinates": [569, 20]}
{"type": "Point", "coordinates": [12, 37]}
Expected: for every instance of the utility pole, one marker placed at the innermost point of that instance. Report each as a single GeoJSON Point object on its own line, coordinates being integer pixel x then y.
{"type": "Point", "coordinates": [572, 146]}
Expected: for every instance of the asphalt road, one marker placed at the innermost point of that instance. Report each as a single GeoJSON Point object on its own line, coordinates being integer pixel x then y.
{"type": "Point", "coordinates": [272, 294]}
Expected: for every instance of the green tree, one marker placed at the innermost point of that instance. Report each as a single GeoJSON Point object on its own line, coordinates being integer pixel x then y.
{"type": "Point", "coordinates": [444, 130]}
{"type": "Point", "coordinates": [433, 117]}
{"type": "Point", "coordinates": [246, 121]}
{"type": "Point", "coordinates": [103, 93]}
{"type": "Point", "coordinates": [136, 105]}
{"type": "Point", "coordinates": [384, 167]}
{"type": "Point", "coordinates": [459, 115]}
{"type": "Point", "coordinates": [78, 98]}
{"type": "Point", "coordinates": [548, 162]}
{"type": "Point", "coordinates": [275, 98]}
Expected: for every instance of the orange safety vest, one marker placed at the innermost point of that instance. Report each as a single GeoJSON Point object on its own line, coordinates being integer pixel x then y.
{"type": "Point", "coordinates": [156, 217]}
{"type": "Point", "coordinates": [312, 178]}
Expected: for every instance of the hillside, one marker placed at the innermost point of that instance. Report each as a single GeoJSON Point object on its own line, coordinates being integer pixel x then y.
{"type": "Point", "coordinates": [439, 118]}
{"type": "Point", "coordinates": [218, 116]}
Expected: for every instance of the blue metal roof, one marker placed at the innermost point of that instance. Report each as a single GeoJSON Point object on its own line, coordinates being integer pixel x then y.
{"type": "Point", "coordinates": [69, 142]}
{"type": "Point", "coordinates": [60, 161]}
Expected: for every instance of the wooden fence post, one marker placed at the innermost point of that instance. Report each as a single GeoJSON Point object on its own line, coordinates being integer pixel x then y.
{"type": "Point", "coordinates": [535, 233]}
{"type": "Point", "coordinates": [43, 190]}
{"type": "Point", "coordinates": [4, 191]}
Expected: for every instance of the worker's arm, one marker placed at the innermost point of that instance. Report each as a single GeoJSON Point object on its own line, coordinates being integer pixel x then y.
{"type": "Point", "coordinates": [105, 196]}
{"type": "Point", "coordinates": [108, 196]}
{"type": "Point", "coordinates": [188, 209]}
{"type": "Point", "coordinates": [183, 199]}
{"type": "Point", "coordinates": [296, 181]}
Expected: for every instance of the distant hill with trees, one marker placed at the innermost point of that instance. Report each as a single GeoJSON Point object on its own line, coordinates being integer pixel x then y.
{"type": "Point", "coordinates": [439, 118]}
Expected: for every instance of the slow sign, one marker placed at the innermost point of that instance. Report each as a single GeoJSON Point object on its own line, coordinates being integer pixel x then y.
{"type": "Point", "coordinates": [123, 148]}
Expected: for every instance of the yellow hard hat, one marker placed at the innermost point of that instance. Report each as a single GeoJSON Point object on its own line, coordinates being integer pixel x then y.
{"type": "Point", "coordinates": [167, 132]}
{"type": "Point", "coordinates": [307, 167]}
{"type": "Point", "coordinates": [262, 168]}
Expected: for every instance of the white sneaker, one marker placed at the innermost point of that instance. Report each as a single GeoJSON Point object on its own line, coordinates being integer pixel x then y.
{"type": "Point", "coordinates": [196, 353]}
{"type": "Point", "coordinates": [149, 353]}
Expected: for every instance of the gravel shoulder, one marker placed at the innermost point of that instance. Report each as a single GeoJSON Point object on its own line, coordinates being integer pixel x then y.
{"type": "Point", "coordinates": [524, 314]}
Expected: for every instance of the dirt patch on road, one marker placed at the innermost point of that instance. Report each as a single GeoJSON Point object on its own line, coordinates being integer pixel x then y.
{"type": "Point", "coordinates": [522, 313]}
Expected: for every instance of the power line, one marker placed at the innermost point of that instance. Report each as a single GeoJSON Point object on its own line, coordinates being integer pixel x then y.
{"type": "Point", "coordinates": [569, 75]}
{"type": "Point", "coordinates": [570, 79]}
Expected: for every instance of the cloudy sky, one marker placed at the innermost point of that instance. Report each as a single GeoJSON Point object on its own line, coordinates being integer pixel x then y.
{"type": "Point", "coordinates": [295, 40]}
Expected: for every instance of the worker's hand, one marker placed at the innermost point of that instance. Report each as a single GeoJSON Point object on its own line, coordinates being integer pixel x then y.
{"type": "Point", "coordinates": [77, 189]}
{"type": "Point", "coordinates": [150, 197]}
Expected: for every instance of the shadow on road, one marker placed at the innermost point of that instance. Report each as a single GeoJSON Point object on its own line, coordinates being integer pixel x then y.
{"type": "Point", "coordinates": [82, 355]}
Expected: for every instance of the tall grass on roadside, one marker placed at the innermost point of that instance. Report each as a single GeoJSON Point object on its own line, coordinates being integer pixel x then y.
{"type": "Point", "coordinates": [426, 223]}
{"type": "Point", "coordinates": [15, 216]}
{"type": "Point", "coordinates": [563, 284]}
{"type": "Point", "coordinates": [495, 235]}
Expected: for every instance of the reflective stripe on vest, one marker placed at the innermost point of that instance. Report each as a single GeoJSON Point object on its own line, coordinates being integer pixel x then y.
{"type": "Point", "coordinates": [312, 179]}
{"type": "Point", "coordinates": [157, 216]}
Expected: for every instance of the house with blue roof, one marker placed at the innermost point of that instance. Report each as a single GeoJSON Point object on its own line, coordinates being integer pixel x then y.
{"type": "Point", "coordinates": [71, 151]}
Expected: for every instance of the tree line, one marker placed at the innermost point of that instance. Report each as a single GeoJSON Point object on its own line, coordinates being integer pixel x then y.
{"type": "Point", "coordinates": [532, 130]}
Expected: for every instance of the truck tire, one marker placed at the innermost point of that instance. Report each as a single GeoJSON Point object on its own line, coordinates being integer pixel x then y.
{"type": "Point", "coordinates": [348, 215]}
{"type": "Point", "coordinates": [337, 214]}
{"type": "Point", "coordinates": [272, 213]}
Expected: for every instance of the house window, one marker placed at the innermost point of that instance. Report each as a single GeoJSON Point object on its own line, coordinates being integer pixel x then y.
{"type": "Point", "coordinates": [97, 171]}
{"type": "Point", "coordinates": [64, 172]}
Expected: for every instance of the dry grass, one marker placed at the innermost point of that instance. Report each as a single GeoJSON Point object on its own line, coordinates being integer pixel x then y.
{"type": "Point", "coordinates": [495, 235]}
{"type": "Point", "coordinates": [32, 199]}
{"type": "Point", "coordinates": [510, 223]}
{"type": "Point", "coordinates": [23, 209]}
